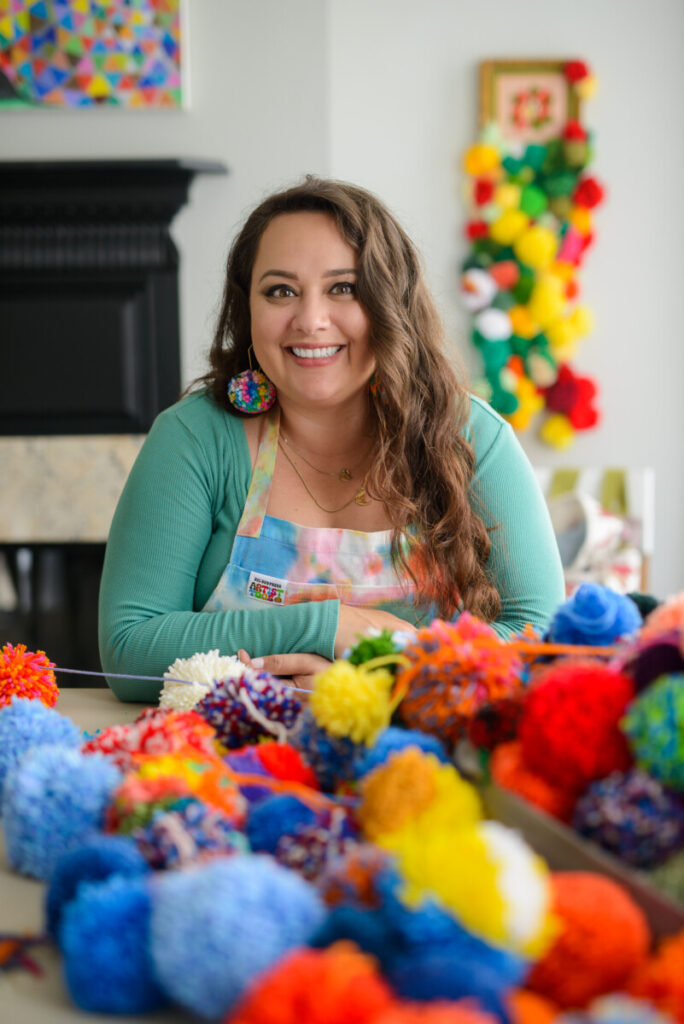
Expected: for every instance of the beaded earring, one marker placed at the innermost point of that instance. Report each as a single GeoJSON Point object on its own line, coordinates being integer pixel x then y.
{"type": "Point", "coordinates": [251, 391]}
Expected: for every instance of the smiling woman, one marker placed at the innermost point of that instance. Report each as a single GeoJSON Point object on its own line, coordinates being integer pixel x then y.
{"type": "Point", "coordinates": [373, 492]}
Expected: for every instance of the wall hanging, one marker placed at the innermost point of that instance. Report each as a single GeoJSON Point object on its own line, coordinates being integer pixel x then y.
{"type": "Point", "coordinates": [84, 53]}
{"type": "Point", "coordinates": [530, 199]}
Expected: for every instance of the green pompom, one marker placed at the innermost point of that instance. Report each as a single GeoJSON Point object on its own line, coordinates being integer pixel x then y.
{"type": "Point", "coordinates": [535, 155]}
{"type": "Point", "coordinates": [370, 647]}
{"type": "Point", "coordinates": [503, 300]}
{"type": "Point", "coordinates": [524, 285]}
{"type": "Point", "coordinates": [533, 201]}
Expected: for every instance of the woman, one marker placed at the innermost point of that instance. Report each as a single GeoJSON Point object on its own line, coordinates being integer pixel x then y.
{"type": "Point", "coordinates": [373, 492]}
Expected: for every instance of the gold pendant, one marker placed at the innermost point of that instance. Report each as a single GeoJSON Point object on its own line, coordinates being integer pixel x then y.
{"type": "Point", "coordinates": [361, 498]}
{"type": "Point", "coordinates": [345, 474]}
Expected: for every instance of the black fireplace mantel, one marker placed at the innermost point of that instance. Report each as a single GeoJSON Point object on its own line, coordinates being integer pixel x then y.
{"type": "Point", "coordinates": [89, 325]}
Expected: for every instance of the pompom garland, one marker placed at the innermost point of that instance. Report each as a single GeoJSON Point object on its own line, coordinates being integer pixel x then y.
{"type": "Point", "coordinates": [27, 674]}
{"type": "Point", "coordinates": [25, 724]}
{"type": "Point", "coordinates": [603, 939]}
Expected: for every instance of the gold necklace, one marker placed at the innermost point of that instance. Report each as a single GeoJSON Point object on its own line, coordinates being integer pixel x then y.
{"type": "Point", "coordinates": [360, 497]}
{"type": "Point", "coordinates": [343, 474]}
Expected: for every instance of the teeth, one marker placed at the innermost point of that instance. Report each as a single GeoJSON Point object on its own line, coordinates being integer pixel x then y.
{"type": "Point", "coordinates": [316, 353]}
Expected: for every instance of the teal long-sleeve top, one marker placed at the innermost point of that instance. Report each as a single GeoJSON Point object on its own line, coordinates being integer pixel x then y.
{"type": "Point", "coordinates": [176, 520]}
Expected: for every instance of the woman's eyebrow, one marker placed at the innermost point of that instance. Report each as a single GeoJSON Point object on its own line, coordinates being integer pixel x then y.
{"type": "Point", "coordinates": [293, 277]}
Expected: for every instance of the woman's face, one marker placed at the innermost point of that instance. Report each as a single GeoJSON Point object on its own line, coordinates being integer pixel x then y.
{"type": "Point", "coordinates": [309, 330]}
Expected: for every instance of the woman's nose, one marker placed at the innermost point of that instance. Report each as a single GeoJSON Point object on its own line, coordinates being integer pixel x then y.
{"type": "Point", "coordinates": [311, 314]}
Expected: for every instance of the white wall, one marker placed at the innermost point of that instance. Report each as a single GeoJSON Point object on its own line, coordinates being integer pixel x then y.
{"type": "Point", "coordinates": [383, 92]}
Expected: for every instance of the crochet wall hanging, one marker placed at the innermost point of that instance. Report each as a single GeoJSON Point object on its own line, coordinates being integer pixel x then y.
{"type": "Point", "coordinates": [121, 53]}
{"type": "Point", "coordinates": [530, 200]}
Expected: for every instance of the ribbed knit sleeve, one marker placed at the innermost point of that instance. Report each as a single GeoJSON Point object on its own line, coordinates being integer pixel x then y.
{"type": "Point", "coordinates": [169, 542]}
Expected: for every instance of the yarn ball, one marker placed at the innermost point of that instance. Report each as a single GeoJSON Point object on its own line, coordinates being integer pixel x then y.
{"type": "Point", "coordinates": [274, 817]}
{"type": "Point", "coordinates": [349, 701]}
{"type": "Point", "coordinates": [339, 985]}
{"type": "Point", "coordinates": [508, 770]}
{"type": "Point", "coordinates": [414, 792]}
{"type": "Point", "coordinates": [25, 724]}
{"type": "Point", "coordinates": [332, 758]}
{"type": "Point", "coordinates": [654, 726]}
{"type": "Point", "coordinates": [155, 731]}
{"type": "Point", "coordinates": [216, 927]}
{"type": "Point", "coordinates": [616, 1009]}
{"type": "Point", "coordinates": [668, 878]}
{"type": "Point", "coordinates": [53, 801]}
{"type": "Point", "coordinates": [661, 979]}
{"type": "Point", "coordinates": [394, 739]}
{"type": "Point", "coordinates": [529, 1008]}
{"type": "Point", "coordinates": [604, 937]}
{"type": "Point", "coordinates": [243, 710]}
{"type": "Point", "coordinates": [486, 875]}
{"type": "Point", "coordinates": [657, 655]}
{"type": "Point", "coordinates": [594, 615]}
{"type": "Point", "coordinates": [96, 860]}
{"type": "Point", "coordinates": [569, 729]}
{"type": "Point", "coordinates": [199, 671]}
{"type": "Point", "coordinates": [632, 817]}
{"type": "Point", "coordinates": [188, 832]}
{"type": "Point", "coordinates": [26, 674]}
{"type": "Point", "coordinates": [104, 939]}
{"type": "Point", "coordinates": [456, 668]}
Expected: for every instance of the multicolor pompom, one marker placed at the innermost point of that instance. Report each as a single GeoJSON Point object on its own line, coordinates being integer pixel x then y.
{"type": "Point", "coordinates": [244, 709]}
{"type": "Point", "coordinates": [654, 726]}
{"type": "Point", "coordinates": [26, 674]}
{"type": "Point", "coordinates": [155, 731]}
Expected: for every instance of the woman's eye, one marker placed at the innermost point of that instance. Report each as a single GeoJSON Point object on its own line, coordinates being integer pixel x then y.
{"type": "Point", "coordinates": [279, 291]}
{"type": "Point", "coordinates": [343, 288]}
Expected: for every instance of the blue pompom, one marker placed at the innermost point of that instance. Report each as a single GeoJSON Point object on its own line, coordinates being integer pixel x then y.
{"type": "Point", "coordinates": [395, 739]}
{"type": "Point", "coordinates": [274, 817]}
{"type": "Point", "coordinates": [27, 723]}
{"type": "Point", "coordinates": [331, 757]}
{"type": "Point", "coordinates": [594, 615]}
{"type": "Point", "coordinates": [215, 927]}
{"type": "Point", "coordinates": [447, 974]}
{"type": "Point", "coordinates": [54, 801]}
{"type": "Point", "coordinates": [104, 938]}
{"type": "Point", "coordinates": [367, 928]}
{"type": "Point", "coordinates": [95, 861]}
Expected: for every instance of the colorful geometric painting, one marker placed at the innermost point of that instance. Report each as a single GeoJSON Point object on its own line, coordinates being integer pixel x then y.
{"type": "Point", "coordinates": [83, 53]}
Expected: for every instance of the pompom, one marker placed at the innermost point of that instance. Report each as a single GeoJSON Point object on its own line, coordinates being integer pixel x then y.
{"type": "Point", "coordinates": [216, 927]}
{"type": "Point", "coordinates": [25, 724]}
{"type": "Point", "coordinates": [352, 702]}
{"type": "Point", "coordinates": [96, 860]}
{"type": "Point", "coordinates": [154, 731]}
{"type": "Point", "coordinates": [632, 817]}
{"type": "Point", "coordinates": [456, 669]}
{"type": "Point", "coordinates": [200, 671]}
{"type": "Point", "coordinates": [536, 247]}
{"type": "Point", "coordinates": [26, 674]}
{"type": "Point", "coordinates": [104, 938]}
{"type": "Point", "coordinates": [352, 877]}
{"type": "Point", "coordinates": [651, 657]}
{"type": "Point", "coordinates": [509, 771]}
{"type": "Point", "coordinates": [243, 710]}
{"type": "Point", "coordinates": [603, 938]}
{"type": "Point", "coordinates": [339, 985]}
{"type": "Point", "coordinates": [661, 979]}
{"type": "Point", "coordinates": [496, 723]}
{"type": "Point", "coordinates": [392, 740]}
{"type": "Point", "coordinates": [274, 817]}
{"type": "Point", "coordinates": [414, 792]}
{"type": "Point", "coordinates": [187, 833]}
{"type": "Point", "coordinates": [570, 724]}
{"type": "Point", "coordinates": [283, 761]}
{"type": "Point", "coordinates": [594, 615]}
{"type": "Point", "coordinates": [332, 758]}
{"type": "Point", "coordinates": [529, 1008]}
{"type": "Point", "coordinates": [53, 801]}
{"type": "Point", "coordinates": [654, 725]}
{"type": "Point", "coordinates": [666, 617]}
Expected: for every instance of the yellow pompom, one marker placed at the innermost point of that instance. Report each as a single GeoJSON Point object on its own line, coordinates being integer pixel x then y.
{"type": "Point", "coordinates": [587, 87]}
{"type": "Point", "coordinates": [581, 219]}
{"type": "Point", "coordinates": [481, 159]}
{"type": "Point", "coordinates": [562, 270]}
{"type": "Point", "coordinates": [558, 431]}
{"type": "Point", "coordinates": [563, 339]}
{"type": "Point", "coordinates": [530, 402]}
{"type": "Point", "coordinates": [508, 226]}
{"type": "Point", "coordinates": [582, 321]}
{"type": "Point", "coordinates": [522, 323]}
{"type": "Point", "coordinates": [507, 196]}
{"type": "Point", "coordinates": [547, 301]}
{"type": "Point", "coordinates": [352, 701]}
{"type": "Point", "coordinates": [412, 792]}
{"type": "Point", "coordinates": [536, 247]}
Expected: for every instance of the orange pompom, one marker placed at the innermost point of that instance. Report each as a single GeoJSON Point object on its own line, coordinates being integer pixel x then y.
{"type": "Point", "coordinates": [462, 1012]}
{"type": "Point", "coordinates": [283, 761]}
{"type": "Point", "coordinates": [25, 674]}
{"type": "Point", "coordinates": [530, 1008]}
{"type": "Point", "coordinates": [509, 772]}
{"type": "Point", "coordinates": [661, 979]}
{"type": "Point", "coordinates": [604, 939]}
{"type": "Point", "coordinates": [338, 985]}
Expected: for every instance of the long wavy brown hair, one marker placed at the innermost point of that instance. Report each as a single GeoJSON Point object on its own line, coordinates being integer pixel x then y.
{"type": "Point", "coordinates": [424, 465]}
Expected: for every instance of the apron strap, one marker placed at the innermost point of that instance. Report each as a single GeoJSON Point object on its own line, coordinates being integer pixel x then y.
{"type": "Point", "coordinates": [262, 477]}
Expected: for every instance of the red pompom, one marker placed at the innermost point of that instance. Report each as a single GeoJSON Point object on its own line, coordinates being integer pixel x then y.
{"type": "Point", "coordinates": [562, 394]}
{"type": "Point", "coordinates": [484, 190]}
{"type": "Point", "coordinates": [576, 70]}
{"type": "Point", "coordinates": [661, 979]}
{"type": "Point", "coordinates": [570, 731]}
{"type": "Point", "coordinates": [583, 414]}
{"type": "Point", "coordinates": [589, 193]}
{"type": "Point", "coordinates": [574, 132]}
{"type": "Point", "coordinates": [509, 772]}
{"type": "Point", "coordinates": [283, 761]}
{"type": "Point", "coordinates": [604, 938]}
{"type": "Point", "coordinates": [477, 229]}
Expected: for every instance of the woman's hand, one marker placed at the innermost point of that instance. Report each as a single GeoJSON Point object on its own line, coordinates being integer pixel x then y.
{"type": "Point", "coordinates": [300, 668]}
{"type": "Point", "coordinates": [355, 621]}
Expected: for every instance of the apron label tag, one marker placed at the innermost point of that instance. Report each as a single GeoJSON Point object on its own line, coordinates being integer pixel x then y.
{"type": "Point", "coordinates": [266, 588]}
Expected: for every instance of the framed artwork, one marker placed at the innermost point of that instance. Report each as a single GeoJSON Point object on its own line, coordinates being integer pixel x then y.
{"type": "Point", "coordinates": [529, 100]}
{"type": "Point", "coordinates": [86, 53]}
